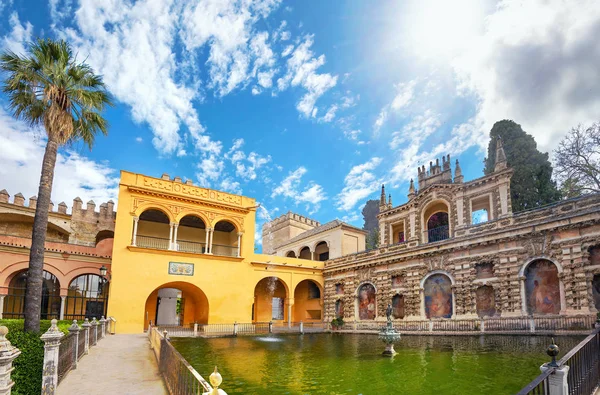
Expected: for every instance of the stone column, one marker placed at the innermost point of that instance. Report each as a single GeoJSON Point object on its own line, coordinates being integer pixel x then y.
{"type": "Point", "coordinates": [51, 341]}
{"type": "Point", "coordinates": [171, 224]}
{"type": "Point", "coordinates": [206, 251]}
{"type": "Point", "coordinates": [8, 353]}
{"type": "Point", "coordinates": [1, 306]}
{"type": "Point", "coordinates": [62, 308]}
{"type": "Point", "coordinates": [290, 303]}
{"type": "Point", "coordinates": [74, 329]}
{"type": "Point", "coordinates": [135, 226]}
{"type": "Point", "coordinates": [557, 382]}
{"type": "Point", "coordinates": [523, 296]}
{"type": "Point", "coordinates": [86, 328]}
{"type": "Point", "coordinates": [210, 240]}
{"type": "Point", "coordinates": [175, 226]}
{"type": "Point", "coordinates": [102, 327]}
{"type": "Point", "coordinates": [94, 338]}
{"type": "Point", "coordinates": [239, 244]}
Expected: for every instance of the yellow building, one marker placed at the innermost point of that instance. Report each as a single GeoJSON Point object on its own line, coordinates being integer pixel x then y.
{"type": "Point", "coordinates": [184, 254]}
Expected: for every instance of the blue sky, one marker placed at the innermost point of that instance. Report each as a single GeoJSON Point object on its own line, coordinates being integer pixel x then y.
{"type": "Point", "coordinates": [307, 106]}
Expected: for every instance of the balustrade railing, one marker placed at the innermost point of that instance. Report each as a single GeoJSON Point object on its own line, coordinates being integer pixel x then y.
{"type": "Point", "coordinates": [438, 234]}
{"type": "Point", "coordinates": [158, 243]}
{"type": "Point", "coordinates": [193, 247]}
{"type": "Point", "coordinates": [223, 250]}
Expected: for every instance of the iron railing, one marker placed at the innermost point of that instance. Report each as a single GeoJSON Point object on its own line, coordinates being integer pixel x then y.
{"type": "Point", "coordinates": [81, 345]}
{"type": "Point", "coordinates": [65, 355]}
{"type": "Point", "coordinates": [539, 385]}
{"type": "Point", "coordinates": [438, 234]}
{"type": "Point", "coordinates": [179, 376]}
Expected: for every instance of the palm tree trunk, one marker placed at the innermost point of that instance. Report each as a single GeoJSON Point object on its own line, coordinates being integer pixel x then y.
{"type": "Point", "coordinates": [33, 292]}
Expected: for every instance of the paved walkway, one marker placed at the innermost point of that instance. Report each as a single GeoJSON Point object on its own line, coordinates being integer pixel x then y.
{"type": "Point", "coordinates": [119, 364]}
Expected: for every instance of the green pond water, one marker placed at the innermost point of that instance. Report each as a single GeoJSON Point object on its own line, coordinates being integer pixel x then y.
{"type": "Point", "coordinates": [353, 364]}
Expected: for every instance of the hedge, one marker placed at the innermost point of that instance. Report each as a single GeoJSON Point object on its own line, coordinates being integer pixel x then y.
{"type": "Point", "coordinates": [29, 365]}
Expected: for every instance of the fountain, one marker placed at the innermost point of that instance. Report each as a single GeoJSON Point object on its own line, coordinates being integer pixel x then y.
{"type": "Point", "coordinates": [388, 334]}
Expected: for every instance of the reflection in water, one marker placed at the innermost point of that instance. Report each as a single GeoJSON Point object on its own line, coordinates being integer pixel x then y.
{"type": "Point", "coordinates": [352, 364]}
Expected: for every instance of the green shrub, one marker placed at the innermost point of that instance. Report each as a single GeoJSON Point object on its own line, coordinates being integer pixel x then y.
{"type": "Point", "coordinates": [337, 322]}
{"type": "Point", "coordinates": [28, 366]}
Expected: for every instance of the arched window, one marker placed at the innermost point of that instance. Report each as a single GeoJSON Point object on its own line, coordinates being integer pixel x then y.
{"type": "Point", "coordinates": [225, 239]}
{"type": "Point", "coordinates": [14, 301]}
{"type": "Point", "coordinates": [322, 251]}
{"type": "Point", "coordinates": [437, 225]}
{"type": "Point", "coordinates": [153, 230]}
{"type": "Point", "coordinates": [290, 254]}
{"type": "Point", "coordinates": [191, 235]}
{"type": "Point", "coordinates": [305, 253]}
{"type": "Point", "coordinates": [366, 302]}
{"type": "Point", "coordinates": [87, 297]}
{"type": "Point", "coordinates": [438, 296]}
{"type": "Point", "coordinates": [542, 288]}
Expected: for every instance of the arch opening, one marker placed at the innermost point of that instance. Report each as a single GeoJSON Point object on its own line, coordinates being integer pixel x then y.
{"type": "Point", "coordinates": [322, 251]}
{"type": "Point", "coordinates": [270, 296]}
{"type": "Point", "coordinates": [307, 302]}
{"type": "Point", "coordinates": [176, 303]}
{"type": "Point", "coordinates": [87, 297]}
{"type": "Point", "coordinates": [437, 290]}
{"type": "Point", "coordinates": [290, 254]}
{"type": "Point", "coordinates": [191, 235]}
{"type": "Point", "coordinates": [20, 225]}
{"type": "Point", "coordinates": [225, 239]}
{"type": "Point", "coordinates": [305, 253]}
{"type": "Point", "coordinates": [14, 301]}
{"type": "Point", "coordinates": [153, 230]}
{"type": "Point", "coordinates": [542, 288]}
{"type": "Point", "coordinates": [437, 222]}
{"type": "Point", "coordinates": [367, 303]}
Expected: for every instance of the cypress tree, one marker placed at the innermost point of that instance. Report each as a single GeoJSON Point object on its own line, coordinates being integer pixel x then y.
{"type": "Point", "coordinates": [531, 185]}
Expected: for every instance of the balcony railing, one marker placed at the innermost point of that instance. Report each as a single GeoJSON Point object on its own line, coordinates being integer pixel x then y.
{"type": "Point", "coordinates": [438, 234]}
{"type": "Point", "coordinates": [160, 243]}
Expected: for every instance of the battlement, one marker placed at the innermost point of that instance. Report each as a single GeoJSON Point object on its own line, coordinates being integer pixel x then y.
{"type": "Point", "coordinates": [295, 217]}
{"type": "Point", "coordinates": [437, 174]}
{"type": "Point", "coordinates": [106, 210]}
{"type": "Point", "coordinates": [284, 228]}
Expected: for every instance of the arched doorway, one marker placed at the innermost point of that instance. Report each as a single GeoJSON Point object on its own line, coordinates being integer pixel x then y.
{"type": "Point", "coordinates": [14, 301]}
{"type": "Point", "coordinates": [485, 301]}
{"type": "Point", "coordinates": [437, 223]}
{"type": "Point", "coordinates": [87, 297]}
{"type": "Point", "coordinates": [176, 303]}
{"type": "Point", "coordinates": [307, 302]}
{"type": "Point", "coordinates": [367, 304]}
{"type": "Point", "coordinates": [398, 306]}
{"type": "Point", "coordinates": [437, 290]}
{"type": "Point", "coordinates": [322, 251]}
{"type": "Point", "coordinates": [542, 288]}
{"type": "Point", "coordinates": [270, 296]}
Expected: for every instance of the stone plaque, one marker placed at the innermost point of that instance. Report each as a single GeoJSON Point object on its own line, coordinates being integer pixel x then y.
{"type": "Point", "coordinates": [181, 269]}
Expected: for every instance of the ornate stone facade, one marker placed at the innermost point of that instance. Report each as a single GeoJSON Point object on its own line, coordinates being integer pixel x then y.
{"type": "Point", "coordinates": [502, 251]}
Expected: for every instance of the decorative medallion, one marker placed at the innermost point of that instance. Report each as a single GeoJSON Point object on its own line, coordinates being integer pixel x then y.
{"type": "Point", "coordinates": [181, 269]}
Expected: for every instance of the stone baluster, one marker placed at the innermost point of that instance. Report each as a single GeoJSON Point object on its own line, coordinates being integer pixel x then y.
{"type": "Point", "coordinates": [74, 329]}
{"type": "Point", "coordinates": [94, 331]}
{"type": "Point", "coordinates": [51, 341]}
{"type": "Point", "coordinates": [86, 327]}
{"type": "Point", "coordinates": [215, 380]}
{"type": "Point", "coordinates": [103, 327]}
{"type": "Point", "coordinates": [8, 353]}
{"type": "Point", "coordinates": [270, 326]}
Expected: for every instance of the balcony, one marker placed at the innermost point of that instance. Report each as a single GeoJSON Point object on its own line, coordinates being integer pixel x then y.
{"type": "Point", "coordinates": [159, 243]}
{"type": "Point", "coordinates": [438, 234]}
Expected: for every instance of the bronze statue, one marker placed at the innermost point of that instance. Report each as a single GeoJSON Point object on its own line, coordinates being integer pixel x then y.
{"type": "Point", "coordinates": [388, 312]}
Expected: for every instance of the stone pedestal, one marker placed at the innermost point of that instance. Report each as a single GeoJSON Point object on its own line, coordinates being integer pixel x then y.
{"type": "Point", "coordinates": [51, 340]}
{"type": "Point", "coordinates": [86, 328]}
{"type": "Point", "coordinates": [389, 350]}
{"type": "Point", "coordinates": [74, 329]}
{"type": "Point", "coordinates": [8, 353]}
{"type": "Point", "coordinates": [557, 382]}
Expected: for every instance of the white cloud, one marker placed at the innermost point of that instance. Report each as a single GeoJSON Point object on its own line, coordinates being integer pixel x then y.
{"type": "Point", "coordinates": [416, 132]}
{"type": "Point", "coordinates": [19, 35]}
{"type": "Point", "coordinates": [312, 195]}
{"type": "Point", "coordinates": [359, 183]}
{"type": "Point", "coordinates": [229, 185]}
{"type": "Point", "coordinates": [21, 153]}
{"type": "Point", "coordinates": [139, 139]}
{"type": "Point", "coordinates": [352, 134]}
{"type": "Point", "coordinates": [330, 115]}
{"type": "Point", "coordinates": [536, 63]}
{"type": "Point", "coordinates": [302, 71]}
{"type": "Point", "coordinates": [404, 96]}
{"type": "Point", "coordinates": [210, 169]}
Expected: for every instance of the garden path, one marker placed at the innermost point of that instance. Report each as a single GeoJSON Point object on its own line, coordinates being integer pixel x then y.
{"type": "Point", "coordinates": [119, 364]}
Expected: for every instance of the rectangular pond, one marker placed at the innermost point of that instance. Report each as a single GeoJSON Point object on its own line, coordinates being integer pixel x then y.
{"type": "Point", "coordinates": [352, 364]}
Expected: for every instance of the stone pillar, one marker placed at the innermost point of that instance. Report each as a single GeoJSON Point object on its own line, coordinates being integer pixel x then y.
{"type": "Point", "coordinates": [171, 224]}
{"type": "Point", "coordinates": [1, 306]}
{"type": "Point", "coordinates": [51, 341]}
{"type": "Point", "coordinates": [8, 353]}
{"type": "Point", "coordinates": [290, 303]}
{"type": "Point", "coordinates": [235, 328]}
{"type": "Point", "coordinates": [135, 226]}
{"type": "Point", "coordinates": [239, 244]}
{"type": "Point", "coordinates": [94, 338]}
{"type": "Point", "coordinates": [74, 329]}
{"type": "Point", "coordinates": [301, 327]}
{"type": "Point", "coordinates": [208, 241]}
{"type": "Point", "coordinates": [175, 227]}
{"type": "Point", "coordinates": [62, 308]}
{"type": "Point", "coordinates": [270, 326]}
{"type": "Point", "coordinates": [557, 382]}
{"type": "Point", "coordinates": [195, 329]}
{"type": "Point", "coordinates": [86, 328]}
{"type": "Point", "coordinates": [102, 327]}
{"type": "Point", "coordinates": [523, 296]}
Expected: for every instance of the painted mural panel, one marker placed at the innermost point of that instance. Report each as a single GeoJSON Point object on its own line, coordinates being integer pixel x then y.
{"type": "Point", "coordinates": [484, 270]}
{"type": "Point", "coordinates": [339, 289]}
{"type": "Point", "coordinates": [397, 281]}
{"type": "Point", "coordinates": [339, 308]}
{"type": "Point", "coordinates": [438, 296]}
{"type": "Point", "coordinates": [366, 302]}
{"type": "Point", "coordinates": [542, 288]}
{"type": "Point", "coordinates": [398, 306]}
{"type": "Point", "coordinates": [485, 301]}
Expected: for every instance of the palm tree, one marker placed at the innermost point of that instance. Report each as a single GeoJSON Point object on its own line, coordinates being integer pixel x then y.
{"type": "Point", "coordinates": [48, 87]}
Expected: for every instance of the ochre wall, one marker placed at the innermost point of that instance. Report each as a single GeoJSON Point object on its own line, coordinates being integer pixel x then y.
{"type": "Point", "coordinates": [228, 283]}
